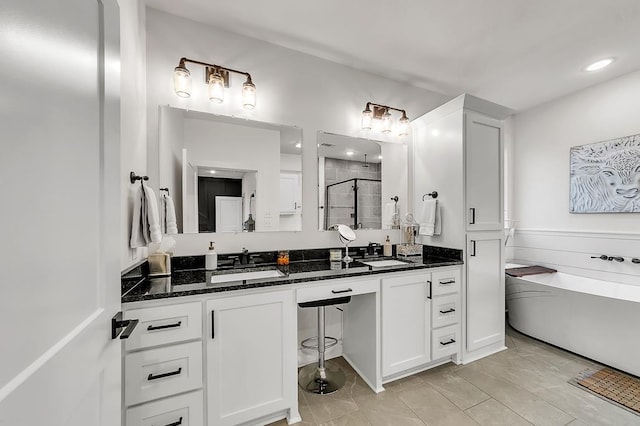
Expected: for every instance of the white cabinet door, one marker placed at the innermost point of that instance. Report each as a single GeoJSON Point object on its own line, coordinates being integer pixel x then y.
{"type": "Point", "coordinates": [251, 357]}
{"type": "Point", "coordinates": [483, 172]}
{"type": "Point", "coordinates": [289, 193]}
{"type": "Point", "coordinates": [406, 323]}
{"type": "Point", "coordinates": [485, 289]}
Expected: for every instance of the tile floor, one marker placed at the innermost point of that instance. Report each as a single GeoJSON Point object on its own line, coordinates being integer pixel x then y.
{"type": "Point", "coordinates": [524, 385]}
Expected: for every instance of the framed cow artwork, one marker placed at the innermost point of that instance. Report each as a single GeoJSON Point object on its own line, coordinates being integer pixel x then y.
{"type": "Point", "coordinates": [605, 176]}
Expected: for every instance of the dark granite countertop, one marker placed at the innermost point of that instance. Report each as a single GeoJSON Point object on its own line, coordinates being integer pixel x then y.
{"type": "Point", "coordinates": [197, 281]}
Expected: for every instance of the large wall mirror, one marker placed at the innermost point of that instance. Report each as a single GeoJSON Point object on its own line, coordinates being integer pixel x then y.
{"type": "Point", "coordinates": [362, 183]}
{"type": "Point", "coordinates": [228, 174]}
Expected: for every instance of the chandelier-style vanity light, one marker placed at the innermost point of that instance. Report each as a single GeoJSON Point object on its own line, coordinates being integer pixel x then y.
{"type": "Point", "coordinates": [381, 112]}
{"type": "Point", "coordinates": [217, 77]}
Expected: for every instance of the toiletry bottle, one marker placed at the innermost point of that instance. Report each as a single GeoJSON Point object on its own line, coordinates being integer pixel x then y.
{"type": "Point", "coordinates": [211, 258]}
{"type": "Point", "coordinates": [386, 248]}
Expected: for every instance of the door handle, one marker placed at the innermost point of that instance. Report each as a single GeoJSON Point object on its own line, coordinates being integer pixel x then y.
{"type": "Point", "coordinates": [473, 248]}
{"type": "Point", "coordinates": [117, 324]}
{"type": "Point", "coordinates": [429, 296]}
{"type": "Point", "coordinates": [472, 210]}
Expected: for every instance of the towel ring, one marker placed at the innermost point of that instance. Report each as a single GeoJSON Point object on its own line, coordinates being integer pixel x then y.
{"type": "Point", "coordinates": [433, 194]}
{"type": "Point", "coordinates": [164, 189]}
{"type": "Point", "coordinates": [394, 198]}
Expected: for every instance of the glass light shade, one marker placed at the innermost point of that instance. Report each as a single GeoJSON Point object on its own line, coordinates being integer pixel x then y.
{"type": "Point", "coordinates": [403, 126]}
{"type": "Point", "coordinates": [367, 115]}
{"type": "Point", "coordinates": [387, 122]}
{"type": "Point", "coordinates": [182, 82]}
{"type": "Point", "coordinates": [248, 95]}
{"type": "Point", "coordinates": [216, 88]}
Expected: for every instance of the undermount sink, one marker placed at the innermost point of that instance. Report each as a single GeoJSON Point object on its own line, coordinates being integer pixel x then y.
{"type": "Point", "coordinates": [383, 263]}
{"type": "Point", "coordinates": [241, 276]}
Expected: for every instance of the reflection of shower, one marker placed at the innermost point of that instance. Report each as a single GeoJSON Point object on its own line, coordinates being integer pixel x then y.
{"type": "Point", "coordinates": [357, 202]}
{"type": "Point", "coordinates": [365, 164]}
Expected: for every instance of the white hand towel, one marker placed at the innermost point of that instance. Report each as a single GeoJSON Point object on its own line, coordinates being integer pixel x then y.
{"type": "Point", "coordinates": [388, 214]}
{"type": "Point", "coordinates": [427, 218]}
{"type": "Point", "coordinates": [137, 230]}
{"type": "Point", "coordinates": [154, 231]}
{"type": "Point", "coordinates": [170, 216]}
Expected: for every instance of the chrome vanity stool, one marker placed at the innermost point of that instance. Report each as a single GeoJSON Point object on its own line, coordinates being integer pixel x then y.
{"type": "Point", "coordinates": [323, 377]}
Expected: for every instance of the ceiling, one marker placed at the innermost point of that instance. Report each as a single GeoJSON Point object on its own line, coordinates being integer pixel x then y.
{"type": "Point", "coordinates": [518, 53]}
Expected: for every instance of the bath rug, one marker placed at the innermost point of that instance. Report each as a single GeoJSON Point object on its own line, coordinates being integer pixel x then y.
{"type": "Point", "coordinates": [612, 386]}
{"type": "Point", "coordinates": [528, 270]}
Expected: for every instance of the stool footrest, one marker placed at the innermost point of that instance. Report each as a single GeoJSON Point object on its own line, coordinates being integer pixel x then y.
{"type": "Point", "coordinates": [308, 343]}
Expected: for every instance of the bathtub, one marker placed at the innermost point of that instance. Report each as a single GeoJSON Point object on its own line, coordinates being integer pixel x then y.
{"type": "Point", "coordinates": [597, 319]}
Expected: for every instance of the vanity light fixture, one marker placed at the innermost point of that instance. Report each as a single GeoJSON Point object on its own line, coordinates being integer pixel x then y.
{"type": "Point", "coordinates": [382, 113]}
{"type": "Point", "coordinates": [217, 77]}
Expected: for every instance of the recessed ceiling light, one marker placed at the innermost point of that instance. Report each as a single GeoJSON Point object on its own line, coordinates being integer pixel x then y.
{"type": "Point", "coordinates": [598, 65]}
{"type": "Point", "coordinates": [213, 172]}
{"type": "Point", "coordinates": [379, 157]}
{"type": "Point", "coordinates": [299, 145]}
{"type": "Point", "coordinates": [349, 152]}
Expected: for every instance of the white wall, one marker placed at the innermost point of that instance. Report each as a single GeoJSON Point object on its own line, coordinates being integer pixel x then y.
{"type": "Point", "coordinates": [543, 137]}
{"type": "Point", "coordinates": [133, 116]}
{"type": "Point", "coordinates": [547, 233]}
{"type": "Point", "coordinates": [292, 88]}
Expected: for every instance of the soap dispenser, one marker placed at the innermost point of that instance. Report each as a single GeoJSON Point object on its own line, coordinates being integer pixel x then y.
{"type": "Point", "coordinates": [211, 258]}
{"type": "Point", "coordinates": [386, 247]}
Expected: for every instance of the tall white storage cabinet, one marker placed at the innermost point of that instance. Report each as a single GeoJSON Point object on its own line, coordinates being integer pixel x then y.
{"type": "Point", "coordinates": [458, 152]}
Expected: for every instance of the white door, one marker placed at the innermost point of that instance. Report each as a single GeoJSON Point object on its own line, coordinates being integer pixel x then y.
{"type": "Point", "coordinates": [60, 180]}
{"type": "Point", "coordinates": [483, 168]}
{"type": "Point", "coordinates": [251, 357]}
{"type": "Point", "coordinates": [289, 193]}
{"type": "Point", "coordinates": [406, 323]}
{"type": "Point", "coordinates": [189, 194]}
{"type": "Point", "coordinates": [485, 289]}
{"type": "Point", "coordinates": [228, 214]}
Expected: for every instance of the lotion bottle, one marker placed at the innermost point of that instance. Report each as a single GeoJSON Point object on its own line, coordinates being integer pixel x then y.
{"type": "Point", "coordinates": [211, 258]}
{"type": "Point", "coordinates": [386, 247]}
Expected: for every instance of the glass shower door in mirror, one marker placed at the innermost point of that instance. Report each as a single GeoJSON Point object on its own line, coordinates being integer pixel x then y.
{"type": "Point", "coordinates": [357, 178]}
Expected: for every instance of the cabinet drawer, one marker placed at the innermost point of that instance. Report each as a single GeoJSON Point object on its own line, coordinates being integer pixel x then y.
{"type": "Point", "coordinates": [445, 310]}
{"type": "Point", "coordinates": [182, 410]}
{"type": "Point", "coordinates": [337, 289]}
{"type": "Point", "coordinates": [445, 341]}
{"type": "Point", "coordinates": [165, 324]}
{"type": "Point", "coordinates": [445, 282]}
{"type": "Point", "coordinates": [156, 373]}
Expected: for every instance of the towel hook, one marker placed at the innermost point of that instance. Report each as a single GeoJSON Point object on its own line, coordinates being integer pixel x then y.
{"type": "Point", "coordinates": [433, 194]}
{"type": "Point", "coordinates": [395, 199]}
{"type": "Point", "coordinates": [133, 177]}
{"type": "Point", "coordinates": [165, 189]}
